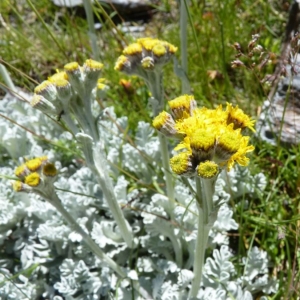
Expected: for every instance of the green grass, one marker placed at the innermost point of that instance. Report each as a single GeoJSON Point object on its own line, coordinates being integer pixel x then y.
{"type": "Point", "coordinates": [39, 38]}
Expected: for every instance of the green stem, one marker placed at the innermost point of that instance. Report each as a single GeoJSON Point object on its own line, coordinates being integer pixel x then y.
{"type": "Point", "coordinates": [92, 32]}
{"type": "Point", "coordinates": [55, 201]}
{"type": "Point", "coordinates": [100, 164]}
{"type": "Point", "coordinates": [166, 168]}
{"type": "Point", "coordinates": [154, 82]}
{"type": "Point", "coordinates": [201, 242]}
{"type": "Point", "coordinates": [205, 191]}
{"type": "Point", "coordinates": [70, 123]}
{"type": "Point", "coordinates": [185, 89]}
{"type": "Point", "coordinates": [155, 86]}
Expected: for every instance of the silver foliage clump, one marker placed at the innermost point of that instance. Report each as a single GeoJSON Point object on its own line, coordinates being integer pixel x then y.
{"type": "Point", "coordinates": [48, 259]}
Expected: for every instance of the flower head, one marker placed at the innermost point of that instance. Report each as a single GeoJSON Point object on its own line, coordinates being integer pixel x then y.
{"type": "Point", "coordinates": [146, 54]}
{"type": "Point", "coordinates": [36, 175]}
{"type": "Point", "coordinates": [211, 139]}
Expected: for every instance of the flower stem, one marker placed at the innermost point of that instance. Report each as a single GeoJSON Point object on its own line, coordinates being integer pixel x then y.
{"type": "Point", "coordinates": [55, 201]}
{"type": "Point", "coordinates": [185, 89]}
{"type": "Point", "coordinates": [205, 191]}
{"type": "Point", "coordinates": [87, 4]}
{"type": "Point", "coordinates": [108, 191]}
{"type": "Point", "coordinates": [166, 168]}
{"type": "Point", "coordinates": [201, 242]}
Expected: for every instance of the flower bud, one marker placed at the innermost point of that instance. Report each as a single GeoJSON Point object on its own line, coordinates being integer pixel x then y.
{"type": "Point", "coordinates": [183, 106]}
{"type": "Point", "coordinates": [182, 164]}
{"type": "Point", "coordinates": [47, 90]}
{"type": "Point", "coordinates": [76, 77]}
{"type": "Point", "coordinates": [92, 70]}
{"type": "Point", "coordinates": [165, 124]}
{"type": "Point", "coordinates": [42, 104]}
{"type": "Point", "coordinates": [208, 169]}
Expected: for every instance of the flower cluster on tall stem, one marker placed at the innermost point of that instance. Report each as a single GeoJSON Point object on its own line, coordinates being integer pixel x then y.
{"type": "Point", "coordinates": [69, 94]}
{"type": "Point", "coordinates": [210, 140]}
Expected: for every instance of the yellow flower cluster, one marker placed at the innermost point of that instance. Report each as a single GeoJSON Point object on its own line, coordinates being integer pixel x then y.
{"type": "Point", "coordinates": [211, 139]}
{"type": "Point", "coordinates": [35, 174]}
{"type": "Point", "coordinates": [144, 55]}
{"type": "Point", "coordinates": [53, 95]}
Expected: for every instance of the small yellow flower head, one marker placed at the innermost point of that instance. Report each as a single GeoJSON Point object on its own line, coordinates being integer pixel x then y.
{"type": "Point", "coordinates": [21, 171]}
{"type": "Point", "coordinates": [47, 90]}
{"type": "Point", "coordinates": [42, 104]}
{"type": "Point", "coordinates": [102, 88]}
{"type": "Point", "coordinates": [228, 143]}
{"type": "Point", "coordinates": [72, 67]}
{"type": "Point", "coordinates": [183, 106]}
{"type": "Point", "coordinates": [34, 164]}
{"type": "Point", "coordinates": [208, 169]}
{"type": "Point", "coordinates": [76, 77]}
{"type": "Point", "coordinates": [92, 65]}
{"type": "Point", "coordinates": [159, 50]}
{"type": "Point", "coordinates": [64, 91]}
{"type": "Point", "coordinates": [33, 179]}
{"type": "Point", "coordinates": [209, 138]}
{"type": "Point", "coordinates": [123, 64]}
{"type": "Point", "coordinates": [36, 175]}
{"type": "Point", "coordinates": [239, 118]}
{"type": "Point", "coordinates": [147, 63]}
{"type": "Point", "coordinates": [92, 70]}
{"type": "Point", "coordinates": [165, 124]}
{"type": "Point", "coordinates": [133, 49]}
{"type": "Point", "coordinates": [58, 76]}
{"type": "Point", "coordinates": [182, 164]}
{"type": "Point", "coordinates": [18, 186]}
{"type": "Point", "coordinates": [146, 54]}
{"type": "Point", "coordinates": [202, 143]}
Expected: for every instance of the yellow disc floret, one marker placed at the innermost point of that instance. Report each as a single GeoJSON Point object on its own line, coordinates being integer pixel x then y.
{"type": "Point", "coordinates": [121, 63]}
{"type": "Point", "coordinates": [72, 66]}
{"type": "Point", "coordinates": [21, 171]}
{"type": "Point", "coordinates": [160, 120]}
{"type": "Point", "coordinates": [239, 118]}
{"type": "Point", "coordinates": [159, 50]}
{"type": "Point", "coordinates": [58, 76]}
{"type": "Point", "coordinates": [208, 169]}
{"type": "Point", "coordinates": [34, 164]}
{"type": "Point", "coordinates": [181, 164]}
{"type": "Point", "coordinates": [133, 49]}
{"type": "Point", "coordinates": [93, 64]}
{"type": "Point", "coordinates": [32, 179]}
{"type": "Point", "coordinates": [202, 140]}
{"type": "Point", "coordinates": [46, 84]}
{"type": "Point", "coordinates": [182, 106]}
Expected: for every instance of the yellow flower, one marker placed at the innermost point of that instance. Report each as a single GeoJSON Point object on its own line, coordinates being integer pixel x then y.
{"type": "Point", "coordinates": [239, 118]}
{"type": "Point", "coordinates": [36, 175]}
{"type": "Point", "coordinates": [33, 179]}
{"type": "Point", "coordinates": [208, 169]}
{"type": "Point", "coordinates": [144, 55]}
{"type": "Point", "coordinates": [240, 156]}
{"type": "Point", "coordinates": [183, 106]}
{"type": "Point", "coordinates": [209, 137]}
{"type": "Point", "coordinates": [34, 164]}
{"type": "Point", "coordinates": [133, 49]}
{"type": "Point", "coordinates": [181, 164]}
